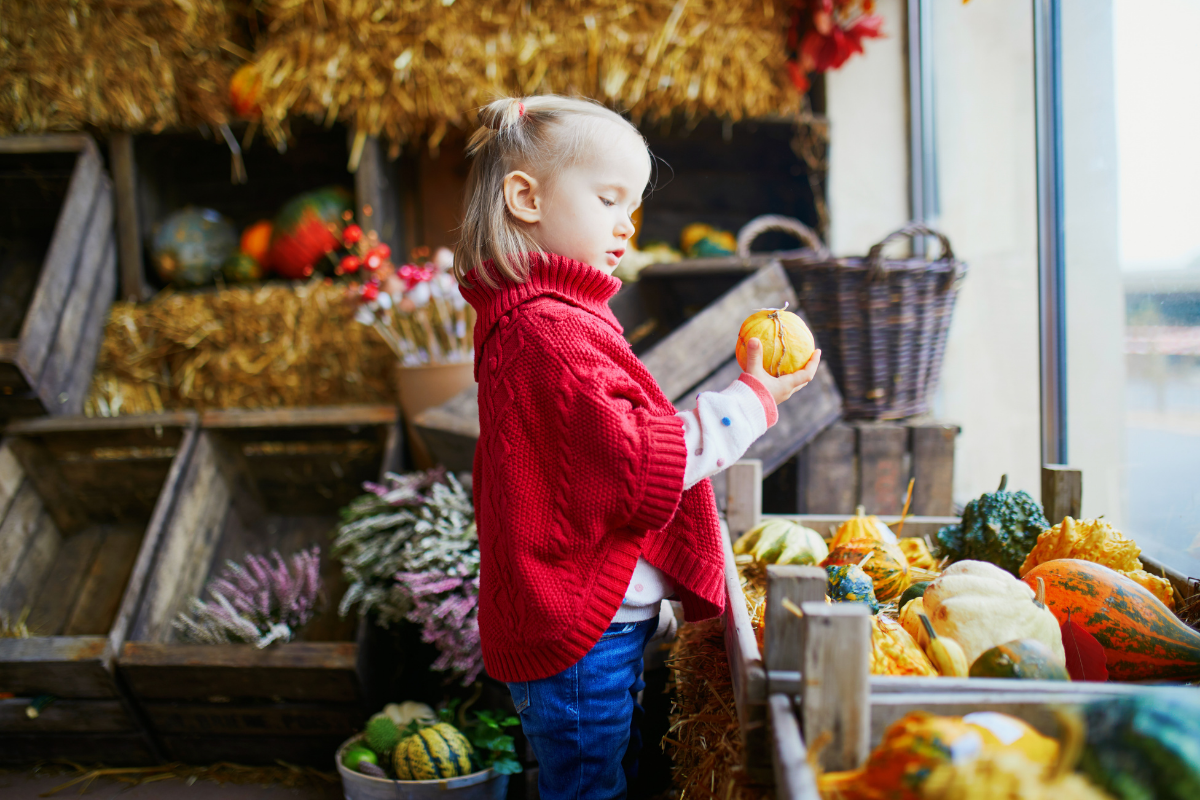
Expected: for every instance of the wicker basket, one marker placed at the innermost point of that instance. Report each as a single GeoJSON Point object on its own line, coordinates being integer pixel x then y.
{"type": "Point", "coordinates": [881, 323]}
{"type": "Point", "coordinates": [814, 248]}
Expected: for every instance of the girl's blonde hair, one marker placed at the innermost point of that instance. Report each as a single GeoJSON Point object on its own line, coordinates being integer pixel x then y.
{"type": "Point", "coordinates": [548, 131]}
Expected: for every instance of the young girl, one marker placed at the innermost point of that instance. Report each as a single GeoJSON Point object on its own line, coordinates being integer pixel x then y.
{"type": "Point", "coordinates": [591, 492]}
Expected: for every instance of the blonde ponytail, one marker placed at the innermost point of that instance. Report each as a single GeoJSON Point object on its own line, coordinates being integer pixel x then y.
{"type": "Point", "coordinates": [548, 131]}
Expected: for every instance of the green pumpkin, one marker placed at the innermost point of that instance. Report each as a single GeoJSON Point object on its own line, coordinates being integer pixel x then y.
{"type": "Point", "coordinates": [1028, 659]}
{"type": "Point", "coordinates": [847, 583]}
{"type": "Point", "coordinates": [439, 751]}
{"type": "Point", "coordinates": [999, 527]}
{"type": "Point", "coordinates": [189, 247]}
{"type": "Point", "coordinates": [241, 268]}
{"type": "Point", "coordinates": [913, 591]}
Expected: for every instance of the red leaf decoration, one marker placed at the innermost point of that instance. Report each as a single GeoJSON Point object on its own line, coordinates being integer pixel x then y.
{"type": "Point", "coordinates": [1085, 656]}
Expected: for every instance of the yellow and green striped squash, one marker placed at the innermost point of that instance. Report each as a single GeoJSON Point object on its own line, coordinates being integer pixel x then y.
{"type": "Point", "coordinates": [439, 751]}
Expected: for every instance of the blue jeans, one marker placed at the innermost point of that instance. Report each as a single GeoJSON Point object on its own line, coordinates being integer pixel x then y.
{"type": "Point", "coordinates": [584, 723]}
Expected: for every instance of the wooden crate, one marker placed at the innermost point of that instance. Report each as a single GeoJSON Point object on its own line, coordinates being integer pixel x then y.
{"type": "Point", "coordinates": [84, 503]}
{"type": "Point", "coordinates": [57, 271]}
{"type": "Point", "coordinates": [257, 481]}
{"type": "Point", "coordinates": [682, 320]}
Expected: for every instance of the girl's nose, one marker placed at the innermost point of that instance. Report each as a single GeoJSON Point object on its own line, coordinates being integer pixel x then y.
{"type": "Point", "coordinates": [625, 227]}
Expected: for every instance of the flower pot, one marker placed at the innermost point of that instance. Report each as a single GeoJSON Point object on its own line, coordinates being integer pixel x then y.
{"type": "Point", "coordinates": [426, 386]}
{"type": "Point", "coordinates": [485, 785]}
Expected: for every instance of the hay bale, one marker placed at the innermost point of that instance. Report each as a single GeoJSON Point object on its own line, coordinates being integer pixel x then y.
{"type": "Point", "coordinates": [264, 346]}
{"type": "Point", "coordinates": [414, 68]}
{"type": "Point", "coordinates": [132, 65]}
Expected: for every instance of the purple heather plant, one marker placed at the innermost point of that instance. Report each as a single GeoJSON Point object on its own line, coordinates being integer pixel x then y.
{"type": "Point", "coordinates": [258, 602]}
{"type": "Point", "coordinates": [446, 608]}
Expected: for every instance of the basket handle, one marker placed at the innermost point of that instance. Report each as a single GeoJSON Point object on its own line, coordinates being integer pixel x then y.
{"type": "Point", "coordinates": [875, 254]}
{"type": "Point", "coordinates": [774, 222]}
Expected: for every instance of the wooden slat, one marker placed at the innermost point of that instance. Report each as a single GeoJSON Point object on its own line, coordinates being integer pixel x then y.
{"type": "Point", "coordinates": [34, 566]}
{"type": "Point", "coordinates": [104, 585]}
{"type": "Point", "coordinates": [11, 478]}
{"type": "Point", "coordinates": [307, 418]}
{"type": "Point", "coordinates": [312, 751]}
{"type": "Point", "coordinates": [894, 684]}
{"type": "Point", "coordinates": [794, 778]}
{"type": "Point", "coordinates": [229, 719]}
{"type": "Point", "coordinates": [913, 526]}
{"type": "Point", "coordinates": [64, 666]}
{"type": "Point", "coordinates": [80, 378]}
{"type": "Point", "coordinates": [707, 340]}
{"type": "Point", "coordinates": [450, 431]}
{"type": "Point", "coordinates": [883, 478]}
{"type": "Point", "coordinates": [129, 237]}
{"type": "Point", "coordinates": [94, 248]}
{"type": "Point", "coordinates": [1062, 492]}
{"type": "Point", "coordinates": [828, 474]}
{"type": "Point", "coordinates": [187, 543]}
{"type": "Point", "coordinates": [933, 469]}
{"type": "Point", "coordinates": [126, 749]}
{"type": "Point", "coordinates": [17, 530]}
{"type": "Point", "coordinates": [67, 715]}
{"type": "Point", "coordinates": [45, 143]}
{"type": "Point", "coordinates": [57, 597]}
{"type": "Point", "coordinates": [835, 698]}
{"type": "Point", "coordinates": [797, 585]}
{"type": "Point", "coordinates": [41, 469]}
{"type": "Point", "coordinates": [299, 671]}
{"type": "Point", "coordinates": [41, 320]}
{"type": "Point", "coordinates": [141, 430]}
{"type": "Point", "coordinates": [743, 504]}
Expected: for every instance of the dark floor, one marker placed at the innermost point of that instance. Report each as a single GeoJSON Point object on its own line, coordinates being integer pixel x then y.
{"type": "Point", "coordinates": [32, 785]}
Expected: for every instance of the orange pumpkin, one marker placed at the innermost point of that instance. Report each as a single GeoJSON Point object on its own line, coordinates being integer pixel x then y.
{"type": "Point", "coordinates": [1142, 639]}
{"type": "Point", "coordinates": [244, 87]}
{"type": "Point", "coordinates": [787, 343]}
{"type": "Point", "coordinates": [860, 526]}
{"type": "Point", "coordinates": [256, 240]}
{"type": "Point", "coordinates": [887, 567]}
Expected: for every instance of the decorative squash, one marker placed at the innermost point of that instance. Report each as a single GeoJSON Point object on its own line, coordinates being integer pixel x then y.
{"type": "Point", "coordinates": [860, 526]}
{"type": "Point", "coordinates": [803, 546]}
{"type": "Point", "coordinates": [244, 88]}
{"type": "Point", "coordinates": [887, 566]}
{"type": "Point", "coordinates": [914, 590]}
{"type": "Point", "coordinates": [241, 268]}
{"type": "Point", "coordinates": [1097, 541]}
{"type": "Point", "coordinates": [787, 343]}
{"type": "Point", "coordinates": [306, 229]}
{"type": "Point", "coordinates": [999, 527]}
{"type": "Point", "coordinates": [917, 552]}
{"type": "Point", "coordinates": [894, 652]}
{"type": "Point", "coordinates": [1145, 745]}
{"type": "Point", "coordinates": [1002, 775]}
{"type": "Point", "coordinates": [1142, 639]}
{"type": "Point", "coordinates": [910, 619]}
{"type": "Point", "coordinates": [439, 751]}
{"type": "Point", "coordinates": [782, 541]}
{"type": "Point", "coordinates": [980, 606]}
{"type": "Point", "coordinates": [256, 240]}
{"type": "Point", "coordinates": [1024, 658]}
{"type": "Point", "coordinates": [189, 246]}
{"type": "Point", "coordinates": [849, 584]}
{"type": "Point", "coordinates": [944, 653]}
{"type": "Point", "coordinates": [918, 743]}
{"type": "Point", "coordinates": [408, 711]}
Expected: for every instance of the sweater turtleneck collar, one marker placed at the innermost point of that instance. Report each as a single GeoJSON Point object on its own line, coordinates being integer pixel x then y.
{"type": "Point", "coordinates": [549, 275]}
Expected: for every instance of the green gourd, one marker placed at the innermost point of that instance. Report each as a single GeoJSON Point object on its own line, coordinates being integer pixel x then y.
{"type": "Point", "coordinates": [847, 583]}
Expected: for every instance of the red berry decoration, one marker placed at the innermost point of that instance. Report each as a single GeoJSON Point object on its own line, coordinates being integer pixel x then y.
{"type": "Point", "coordinates": [382, 250]}
{"type": "Point", "coordinates": [352, 234]}
{"type": "Point", "coordinates": [370, 291]}
{"type": "Point", "coordinates": [350, 264]}
{"type": "Point", "coordinates": [373, 261]}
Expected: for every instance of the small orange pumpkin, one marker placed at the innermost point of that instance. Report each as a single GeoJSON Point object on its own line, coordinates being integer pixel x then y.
{"type": "Point", "coordinates": [256, 240]}
{"type": "Point", "coordinates": [244, 87]}
{"type": "Point", "coordinates": [787, 343]}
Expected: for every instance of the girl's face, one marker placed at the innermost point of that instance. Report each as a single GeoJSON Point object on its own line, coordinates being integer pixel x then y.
{"type": "Point", "coordinates": [584, 212]}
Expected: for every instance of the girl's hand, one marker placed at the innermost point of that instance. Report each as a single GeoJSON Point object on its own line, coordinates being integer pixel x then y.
{"type": "Point", "coordinates": [786, 385]}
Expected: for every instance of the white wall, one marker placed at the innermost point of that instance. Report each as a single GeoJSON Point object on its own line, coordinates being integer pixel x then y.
{"type": "Point", "coordinates": [1095, 299]}
{"type": "Point", "coordinates": [867, 106]}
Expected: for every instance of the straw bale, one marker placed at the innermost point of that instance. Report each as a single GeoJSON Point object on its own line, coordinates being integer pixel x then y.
{"type": "Point", "coordinates": [134, 65]}
{"type": "Point", "coordinates": [407, 68]}
{"type": "Point", "coordinates": [704, 741]}
{"type": "Point", "coordinates": [243, 347]}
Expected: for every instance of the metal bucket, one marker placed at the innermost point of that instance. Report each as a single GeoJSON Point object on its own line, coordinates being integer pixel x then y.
{"type": "Point", "coordinates": [485, 785]}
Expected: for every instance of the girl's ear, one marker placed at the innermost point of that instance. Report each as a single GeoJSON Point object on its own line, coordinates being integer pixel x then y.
{"type": "Point", "coordinates": [521, 196]}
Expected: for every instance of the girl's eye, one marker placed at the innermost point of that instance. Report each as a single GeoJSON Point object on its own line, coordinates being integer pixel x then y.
{"type": "Point", "coordinates": [607, 202]}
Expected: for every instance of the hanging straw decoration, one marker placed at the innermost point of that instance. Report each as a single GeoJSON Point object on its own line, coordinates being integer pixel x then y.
{"type": "Point", "coordinates": [406, 70]}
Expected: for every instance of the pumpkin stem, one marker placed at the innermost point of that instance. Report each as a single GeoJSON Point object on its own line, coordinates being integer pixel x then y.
{"type": "Point", "coordinates": [863, 563]}
{"type": "Point", "coordinates": [928, 627]}
{"type": "Point", "coordinates": [860, 511]}
{"type": "Point", "coordinates": [1003, 482]}
{"type": "Point", "coordinates": [1073, 736]}
{"type": "Point", "coordinates": [1040, 599]}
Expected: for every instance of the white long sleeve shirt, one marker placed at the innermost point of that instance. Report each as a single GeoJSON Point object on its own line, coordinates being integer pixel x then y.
{"type": "Point", "coordinates": [718, 431]}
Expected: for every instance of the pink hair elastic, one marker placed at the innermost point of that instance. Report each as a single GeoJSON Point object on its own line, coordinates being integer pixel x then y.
{"type": "Point", "coordinates": [520, 109]}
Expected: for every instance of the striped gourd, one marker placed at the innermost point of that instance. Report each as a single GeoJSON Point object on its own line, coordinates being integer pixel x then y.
{"type": "Point", "coordinates": [439, 751]}
{"type": "Point", "coordinates": [887, 567]}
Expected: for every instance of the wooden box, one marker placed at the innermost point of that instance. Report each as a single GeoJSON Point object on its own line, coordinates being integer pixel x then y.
{"type": "Point", "coordinates": [258, 481]}
{"type": "Point", "coordinates": [83, 503]}
{"type": "Point", "coordinates": [57, 271]}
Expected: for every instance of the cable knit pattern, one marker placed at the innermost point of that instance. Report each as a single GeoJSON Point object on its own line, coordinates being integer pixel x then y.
{"type": "Point", "coordinates": [578, 471]}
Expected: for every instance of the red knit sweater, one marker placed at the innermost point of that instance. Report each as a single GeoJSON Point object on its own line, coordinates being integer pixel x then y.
{"type": "Point", "coordinates": [578, 471]}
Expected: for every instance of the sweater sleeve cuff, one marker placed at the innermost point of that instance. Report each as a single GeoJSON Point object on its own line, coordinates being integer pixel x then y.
{"type": "Point", "coordinates": [664, 478]}
{"type": "Point", "coordinates": [764, 397]}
